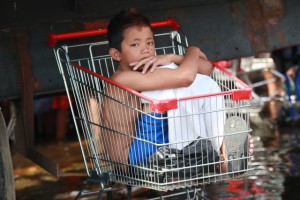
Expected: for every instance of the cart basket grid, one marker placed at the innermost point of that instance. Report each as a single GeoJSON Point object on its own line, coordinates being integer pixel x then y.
{"type": "Point", "coordinates": [109, 117]}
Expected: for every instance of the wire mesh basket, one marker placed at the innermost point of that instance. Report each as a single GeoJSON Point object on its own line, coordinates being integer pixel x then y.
{"type": "Point", "coordinates": [108, 116]}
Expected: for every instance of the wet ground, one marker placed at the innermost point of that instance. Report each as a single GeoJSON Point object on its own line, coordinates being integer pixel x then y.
{"type": "Point", "coordinates": [276, 174]}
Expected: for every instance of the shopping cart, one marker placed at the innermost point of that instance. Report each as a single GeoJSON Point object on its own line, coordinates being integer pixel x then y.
{"type": "Point", "coordinates": [103, 109]}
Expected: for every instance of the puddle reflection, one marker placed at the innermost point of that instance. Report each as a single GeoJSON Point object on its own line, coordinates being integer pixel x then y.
{"type": "Point", "coordinates": [276, 163]}
{"type": "Point", "coordinates": [276, 174]}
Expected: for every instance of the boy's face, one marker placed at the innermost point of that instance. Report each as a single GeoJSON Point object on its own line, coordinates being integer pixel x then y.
{"type": "Point", "coordinates": [137, 44]}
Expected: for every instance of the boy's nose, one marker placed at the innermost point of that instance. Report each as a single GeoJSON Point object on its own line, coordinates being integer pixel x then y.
{"type": "Point", "coordinates": [145, 50]}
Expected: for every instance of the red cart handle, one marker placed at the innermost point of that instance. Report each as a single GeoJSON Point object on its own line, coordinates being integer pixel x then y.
{"type": "Point", "coordinates": [54, 38]}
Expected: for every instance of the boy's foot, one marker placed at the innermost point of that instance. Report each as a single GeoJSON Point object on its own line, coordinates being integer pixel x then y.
{"type": "Point", "coordinates": [236, 143]}
{"type": "Point", "coordinates": [163, 158]}
{"type": "Point", "coordinates": [190, 162]}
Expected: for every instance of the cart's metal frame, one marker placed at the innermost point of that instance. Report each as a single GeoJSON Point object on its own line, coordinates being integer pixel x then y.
{"type": "Point", "coordinates": [86, 68]}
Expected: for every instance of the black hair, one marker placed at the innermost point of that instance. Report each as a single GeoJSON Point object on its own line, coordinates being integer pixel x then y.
{"type": "Point", "coordinates": [121, 21]}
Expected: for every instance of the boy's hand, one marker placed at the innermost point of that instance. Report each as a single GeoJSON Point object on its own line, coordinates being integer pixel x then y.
{"type": "Point", "coordinates": [151, 63]}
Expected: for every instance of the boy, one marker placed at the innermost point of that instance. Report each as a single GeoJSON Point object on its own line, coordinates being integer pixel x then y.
{"type": "Point", "coordinates": [131, 43]}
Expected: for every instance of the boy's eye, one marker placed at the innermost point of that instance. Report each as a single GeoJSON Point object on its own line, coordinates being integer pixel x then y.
{"type": "Point", "coordinates": [151, 43]}
{"type": "Point", "coordinates": [134, 45]}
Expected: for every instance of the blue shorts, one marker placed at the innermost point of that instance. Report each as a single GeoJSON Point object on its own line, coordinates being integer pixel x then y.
{"type": "Point", "coordinates": [148, 129]}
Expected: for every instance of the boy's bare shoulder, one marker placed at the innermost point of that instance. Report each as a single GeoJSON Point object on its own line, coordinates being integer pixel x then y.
{"type": "Point", "coordinates": [123, 77]}
{"type": "Point", "coordinates": [114, 76]}
{"type": "Point", "coordinates": [118, 75]}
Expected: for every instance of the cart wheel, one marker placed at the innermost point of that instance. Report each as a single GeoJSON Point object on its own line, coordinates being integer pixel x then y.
{"type": "Point", "coordinates": [7, 186]}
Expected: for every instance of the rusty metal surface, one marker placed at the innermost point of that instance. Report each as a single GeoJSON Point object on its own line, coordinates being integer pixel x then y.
{"type": "Point", "coordinates": [7, 65]}
{"type": "Point", "coordinates": [22, 12]}
{"type": "Point", "coordinates": [223, 29]}
{"type": "Point", "coordinates": [25, 80]}
{"type": "Point", "coordinates": [263, 16]}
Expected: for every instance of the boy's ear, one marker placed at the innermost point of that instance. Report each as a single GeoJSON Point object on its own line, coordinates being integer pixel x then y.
{"type": "Point", "coordinates": [115, 54]}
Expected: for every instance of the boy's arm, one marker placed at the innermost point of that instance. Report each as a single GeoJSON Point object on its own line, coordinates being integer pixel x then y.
{"type": "Point", "coordinates": [151, 63]}
{"type": "Point", "coordinates": [163, 78]}
{"type": "Point", "coordinates": [205, 66]}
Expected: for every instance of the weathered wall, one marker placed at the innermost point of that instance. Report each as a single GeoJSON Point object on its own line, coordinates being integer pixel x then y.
{"type": "Point", "coordinates": [224, 29]}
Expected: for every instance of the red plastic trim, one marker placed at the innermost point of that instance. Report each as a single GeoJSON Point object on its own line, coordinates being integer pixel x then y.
{"type": "Point", "coordinates": [156, 105]}
{"type": "Point", "coordinates": [170, 104]}
{"type": "Point", "coordinates": [163, 105]}
{"type": "Point", "coordinates": [54, 38]}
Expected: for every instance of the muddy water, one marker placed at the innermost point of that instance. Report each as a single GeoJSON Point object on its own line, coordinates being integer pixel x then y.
{"type": "Point", "coordinates": [276, 174]}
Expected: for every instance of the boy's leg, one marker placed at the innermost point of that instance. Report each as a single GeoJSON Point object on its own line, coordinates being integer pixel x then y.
{"type": "Point", "coordinates": [95, 115]}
